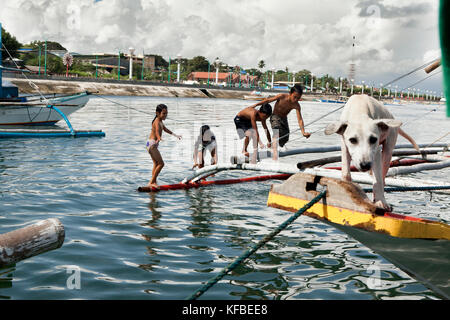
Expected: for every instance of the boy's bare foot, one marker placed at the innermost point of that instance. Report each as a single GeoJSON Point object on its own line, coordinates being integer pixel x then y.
{"type": "Point", "coordinates": [246, 154]}
{"type": "Point", "coordinates": [154, 186]}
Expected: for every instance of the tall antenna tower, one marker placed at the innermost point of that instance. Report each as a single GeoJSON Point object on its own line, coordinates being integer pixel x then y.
{"type": "Point", "coordinates": [352, 69]}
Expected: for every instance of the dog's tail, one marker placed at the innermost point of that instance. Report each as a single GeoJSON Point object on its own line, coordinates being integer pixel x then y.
{"type": "Point", "coordinates": [407, 137]}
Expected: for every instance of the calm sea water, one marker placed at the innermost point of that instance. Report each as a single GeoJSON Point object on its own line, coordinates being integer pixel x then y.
{"type": "Point", "coordinates": [130, 245]}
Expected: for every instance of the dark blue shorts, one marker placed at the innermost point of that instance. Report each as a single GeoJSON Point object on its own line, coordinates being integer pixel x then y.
{"type": "Point", "coordinates": [242, 125]}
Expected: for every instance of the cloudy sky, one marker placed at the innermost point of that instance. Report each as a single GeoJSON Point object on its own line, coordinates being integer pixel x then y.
{"type": "Point", "coordinates": [393, 37]}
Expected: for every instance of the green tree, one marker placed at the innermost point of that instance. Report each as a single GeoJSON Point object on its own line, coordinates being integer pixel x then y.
{"type": "Point", "coordinates": [11, 43]}
{"type": "Point", "coordinates": [261, 64]}
{"type": "Point", "coordinates": [51, 45]}
{"type": "Point", "coordinates": [161, 63]}
{"type": "Point", "coordinates": [198, 63]}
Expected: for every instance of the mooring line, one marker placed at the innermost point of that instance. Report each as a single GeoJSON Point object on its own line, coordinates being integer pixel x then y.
{"type": "Point", "coordinates": [406, 189]}
{"type": "Point", "coordinates": [30, 82]}
{"type": "Point", "coordinates": [254, 248]}
{"type": "Point", "coordinates": [306, 125]}
{"type": "Point", "coordinates": [129, 107]}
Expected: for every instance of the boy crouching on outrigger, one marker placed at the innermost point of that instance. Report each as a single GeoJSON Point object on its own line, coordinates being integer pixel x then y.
{"type": "Point", "coordinates": [245, 122]}
{"type": "Point", "coordinates": [285, 103]}
{"type": "Point", "coordinates": [205, 141]}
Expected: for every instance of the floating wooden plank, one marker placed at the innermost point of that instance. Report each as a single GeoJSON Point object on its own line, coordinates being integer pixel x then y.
{"type": "Point", "coordinates": [30, 241]}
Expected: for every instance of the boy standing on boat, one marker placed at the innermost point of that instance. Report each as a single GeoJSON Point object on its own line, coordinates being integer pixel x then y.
{"type": "Point", "coordinates": [245, 122]}
{"type": "Point", "coordinates": [280, 126]}
{"type": "Point", "coordinates": [153, 142]}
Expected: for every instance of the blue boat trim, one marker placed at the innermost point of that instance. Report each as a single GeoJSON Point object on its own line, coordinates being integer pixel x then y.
{"type": "Point", "coordinates": [64, 117]}
{"type": "Point", "coordinates": [75, 134]}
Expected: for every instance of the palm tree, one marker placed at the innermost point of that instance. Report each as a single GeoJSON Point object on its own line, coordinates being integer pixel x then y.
{"type": "Point", "coordinates": [261, 64]}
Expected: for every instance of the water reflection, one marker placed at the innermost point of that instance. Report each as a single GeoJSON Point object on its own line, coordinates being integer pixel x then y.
{"type": "Point", "coordinates": [6, 278]}
{"type": "Point", "coordinates": [153, 205]}
{"type": "Point", "coordinates": [202, 205]}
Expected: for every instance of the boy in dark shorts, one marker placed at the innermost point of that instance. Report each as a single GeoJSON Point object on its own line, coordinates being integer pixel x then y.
{"type": "Point", "coordinates": [280, 126]}
{"type": "Point", "coordinates": [245, 122]}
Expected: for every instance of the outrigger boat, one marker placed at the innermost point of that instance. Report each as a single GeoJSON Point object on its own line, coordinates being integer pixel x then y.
{"type": "Point", "coordinates": [37, 110]}
{"type": "Point", "coordinates": [19, 111]}
{"type": "Point", "coordinates": [420, 247]}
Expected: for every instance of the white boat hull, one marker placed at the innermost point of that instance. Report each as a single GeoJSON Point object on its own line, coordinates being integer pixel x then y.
{"type": "Point", "coordinates": [16, 114]}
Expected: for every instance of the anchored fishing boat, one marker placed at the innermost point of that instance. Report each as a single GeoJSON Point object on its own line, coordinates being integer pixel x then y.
{"type": "Point", "coordinates": [421, 247]}
{"type": "Point", "coordinates": [15, 111]}
{"type": "Point", "coordinates": [37, 110]}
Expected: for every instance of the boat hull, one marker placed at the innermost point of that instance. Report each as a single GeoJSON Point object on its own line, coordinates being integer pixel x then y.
{"type": "Point", "coordinates": [420, 247]}
{"type": "Point", "coordinates": [17, 114]}
{"type": "Point", "coordinates": [423, 259]}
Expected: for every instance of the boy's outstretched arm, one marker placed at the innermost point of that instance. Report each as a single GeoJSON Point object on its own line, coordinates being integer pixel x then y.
{"type": "Point", "coordinates": [267, 133]}
{"type": "Point", "coordinates": [255, 126]}
{"type": "Point", "coordinates": [171, 133]}
{"type": "Point", "coordinates": [300, 122]}
{"type": "Point", "coordinates": [268, 100]}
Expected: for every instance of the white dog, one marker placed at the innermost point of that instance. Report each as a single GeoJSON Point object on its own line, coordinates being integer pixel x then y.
{"type": "Point", "coordinates": [366, 126]}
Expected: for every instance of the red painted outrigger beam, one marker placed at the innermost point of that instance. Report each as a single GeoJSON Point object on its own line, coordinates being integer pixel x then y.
{"type": "Point", "coordinates": [189, 185]}
{"type": "Point", "coordinates": [198, 184]}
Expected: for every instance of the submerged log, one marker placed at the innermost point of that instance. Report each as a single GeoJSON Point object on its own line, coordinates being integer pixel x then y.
{"type": "Point", "coordinates": [30, 241]}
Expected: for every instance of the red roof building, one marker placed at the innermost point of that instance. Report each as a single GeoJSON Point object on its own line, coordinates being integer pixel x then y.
{"type": "Point", "coordinates": [223, 77]}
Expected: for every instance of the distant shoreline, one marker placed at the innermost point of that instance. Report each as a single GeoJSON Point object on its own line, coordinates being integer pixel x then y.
{"type": "Point", "coordinates": [112, 87]}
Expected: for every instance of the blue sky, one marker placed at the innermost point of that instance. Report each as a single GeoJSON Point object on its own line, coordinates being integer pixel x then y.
{"type": "Point", "coordinates": [392, 36]}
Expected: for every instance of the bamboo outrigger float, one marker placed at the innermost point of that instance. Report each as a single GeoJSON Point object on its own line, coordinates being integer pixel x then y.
{"type": "Point", "coordinates": [421, 247]}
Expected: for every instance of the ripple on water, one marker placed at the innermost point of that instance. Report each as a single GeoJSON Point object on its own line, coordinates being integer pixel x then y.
{"type": "Point", "coordinates": [129, 245]}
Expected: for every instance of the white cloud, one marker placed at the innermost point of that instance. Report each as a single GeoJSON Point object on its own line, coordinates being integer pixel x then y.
{"type": "Point", "coordinates": [392, 36]}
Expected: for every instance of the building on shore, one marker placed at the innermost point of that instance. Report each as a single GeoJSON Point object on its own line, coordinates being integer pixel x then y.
{"type": "Point", "coordinates": [224, 79]}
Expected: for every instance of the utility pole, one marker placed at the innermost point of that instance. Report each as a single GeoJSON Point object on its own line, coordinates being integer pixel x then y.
{"type": "Point", "coordinates": [130, 73]}
{"type": "Point", "coordinates": [1, 71]}
{"type": "Point", "coordinates": [118, 68]}
{"type": "Point", "coordinates": [39, 59]}
{"type": "Point", "coordinates": [168, 76]}
{"type": "Point", "coordinates": [45, 59]}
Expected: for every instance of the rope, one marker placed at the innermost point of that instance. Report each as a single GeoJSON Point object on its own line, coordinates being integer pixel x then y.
{"type": "Point", "coordinates": [122, 105]}
{"type": "Point", "coordinates": [320, 118]}
{"type": "Point", "coordinates": [149, 113]}
{"type": "Point", "coordinates": [412, 85]}
{"type": "Point", "coordinates": [252, 250]}
{"type": "Point", "coordinates": [411, 72]}
{"type": "Point", "coordinates": [438, 139]}
{"type": "Point", "coordinates": [31, 83]}
{"type": "Point", "coordinates": [420, 117]}
{"type": "Point", "coordinates": [405, 189]}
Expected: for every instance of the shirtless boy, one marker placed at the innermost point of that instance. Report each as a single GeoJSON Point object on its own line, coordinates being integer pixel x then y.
{"type": "Point", "coordinates": [245, 122]}
{"type": "Point", "coordinates": [280, 126]}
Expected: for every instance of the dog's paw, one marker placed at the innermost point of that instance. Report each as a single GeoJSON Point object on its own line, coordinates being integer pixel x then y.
{"type": "Point", "coordinates": [384, 205]}
{"type": "Point", "coordinates": [347, 178]}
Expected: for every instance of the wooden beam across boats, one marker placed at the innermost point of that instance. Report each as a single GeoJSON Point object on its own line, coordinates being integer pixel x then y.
{"type": "Point", "coordinates": [421, 247]}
